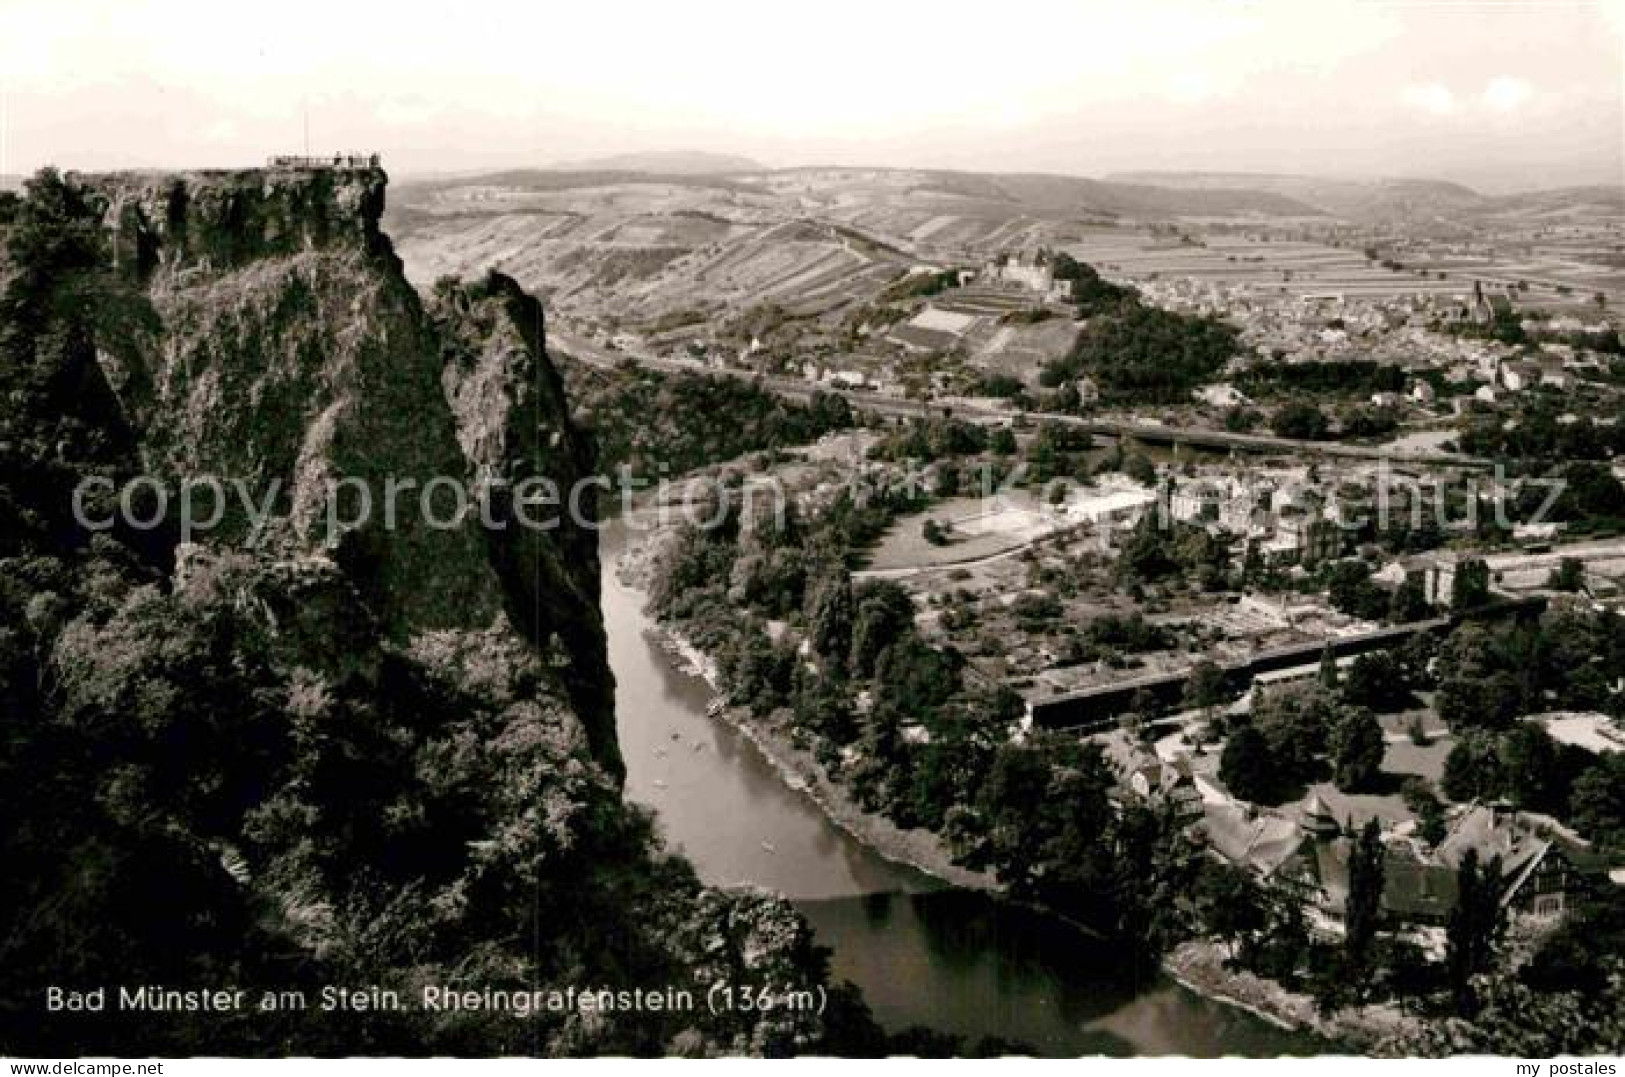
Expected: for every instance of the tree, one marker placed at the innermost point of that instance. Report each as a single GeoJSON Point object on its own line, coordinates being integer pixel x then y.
{"type": "Point", "coordinates": [933, 533]}
{"type": "Point", "coordinates": [1357, 748]}
{"type": "Point", "coordinates": [1247, 768]}
{"type": "Point", "coordinates": [916, 678]}
{"type": "Point", "coordinates": [1363, 909]}
{"type": "Point", "coordinates": [1376, 680]}
{"type": "Point", "coordinates": [1349, 589]}
{"type": "Point", "coordinates": [1206, 686]}
{"type": "Point", "coordinates": [1430, 818]}
{"type": "Point", "coordinates": [1409, 602]}
{"type": "Point", "coordinates": [1297, 723]}
{"type": "Point", "coordinates": [1407, 970]}
{"type": "Point", "coordinates": [1472, 770]}
{"type": "Point", "coordinates": [1569, 575]}
{"type": "Point", "coordinates": [1139, 467]}
{"type": "Point", "coordinates": [1470, 585]}
{"type": "Point", "coordinates": [885, 613]}
{"type": "Point", "coordinates": [1252, 561]}
{"type": "Point", "coordinates": [1145, 555]}
{"type": "Point", "coordinates": [831, 621]}
{"type": "Point", "coordinates": [1327, 675]}
{"type": "Point", "coordinates": [1139, 352]}
{"type": "Point", "coordinates": [758, 672]}
{"type": "Point", "coordinates": [1140, 719]}
{"type": "Point", "coordinates": [824, 706]}
{"type": "Point", "coordinates": [1590, 490]}
{"type": "Point", "coordinates": [1300, 420]}
{"type": "Point", "coordinates": [1598, 801]}
{"type": "Point", "coordinates": [1532, 775]}
{"type": "Point", "coordinates": [1229, 904]}
{"type": "Point", "coordinates": [1470, 933]}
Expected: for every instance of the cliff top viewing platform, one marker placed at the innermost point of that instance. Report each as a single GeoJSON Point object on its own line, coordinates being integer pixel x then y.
{"type": "Point", "coordinates": [339, 161]}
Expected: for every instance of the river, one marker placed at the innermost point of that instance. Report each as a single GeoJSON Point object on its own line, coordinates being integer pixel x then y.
{"type": "Point", "coordinates": [923, 953]}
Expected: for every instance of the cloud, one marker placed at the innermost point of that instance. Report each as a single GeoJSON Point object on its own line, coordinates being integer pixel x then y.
{"type": "Point", "coordinates": [1504, 94]}
{"type": "Point", "coordinates": [1432, 97]}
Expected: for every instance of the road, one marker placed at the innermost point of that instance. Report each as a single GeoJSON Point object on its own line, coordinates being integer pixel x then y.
{"type": "Point", "coordinates": [1154, 433]}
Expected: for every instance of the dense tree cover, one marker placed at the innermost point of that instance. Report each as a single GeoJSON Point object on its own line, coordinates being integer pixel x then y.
{"type": "Point", "coordinates": [1142, 354]}
{"type": "Point", "coordinates": [926, 747]}
{"type": "Point", "coordinates": [1207, 685]}
{"type": "Point", "coordinates": [1058, 451]}
{"type": "Point", "coordinates": [1590, 494]}
{"type": "Point", "coordinates": [1377, 681]}
{"type": "Point", "coordinates": [1597, 802]}
{"type": "Point", "coordinates": [1566, 659]}
{"type": "Point", "coordinates": [1264, 926]}
{"type": "Point", "coordinates": [916, 285]}
{"type": "Point", "coordinates": [1356, 377]}
{"type": "Point", "coordinates": [1350, 589]}
{"type": "Point", "coordinates": [1247, 766]}
{"type": "Point", "coordinates": [1540, 430]}
{"type": "Point", "coordinates": [1368, 422]}
{"type": "Point", "coordinates": [931, 439]}
{"type": "Point", "coordinates": [1469, 586]}
{"type": "Point", "coordinates": [1526, 767]}
{"type": "Point", "coordinates": [1474, 924]}
{"type": "Point", "coordinates": [1091, 293]}
{"type": "Point", "coordinates": [1300, 420]}
{"type": "Point", "coordinates": [1297, 736]}
{"type": "Point", "coordinates": [660, 424]}
{"type": "Point", "coordinates": [1568, 998]}
{"type": "Point", "coordinates": [1580, 953]}
{"type": "Point", "coordinates": [1490, 676]}
{"type": "Point", "coordinates": [1356, 748]}
{"type": "Point", "coordinates": [1109, 636]}
{"type": "Point", "coordinates": [1409, 603]}
{"type": "Point", "coordinates": [1152, 553]}
{"type": "Point", "coordinates": [1362, 912]}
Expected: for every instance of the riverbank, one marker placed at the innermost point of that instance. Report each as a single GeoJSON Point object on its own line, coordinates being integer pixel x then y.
{"type": "Point", "coordinates": [799, 769]}
{"type": "Point", "coordinates": [1199, 966]}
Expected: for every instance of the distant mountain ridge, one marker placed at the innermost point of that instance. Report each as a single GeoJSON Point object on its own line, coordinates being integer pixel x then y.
{"type": "Point", "coordinates": [665, 162]}
{"type": "Point", "coordinates": [1384, 198]}
{"type": "Point", "coordinates": [1146, 194]}
{"type": "Point", "coordinates": [1050, 191]}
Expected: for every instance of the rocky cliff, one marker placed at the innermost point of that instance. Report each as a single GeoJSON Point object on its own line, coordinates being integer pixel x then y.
{"type": "Point", "coordinates": [180, 223]}
{"type": "Point", "coordinates": [268, 339]}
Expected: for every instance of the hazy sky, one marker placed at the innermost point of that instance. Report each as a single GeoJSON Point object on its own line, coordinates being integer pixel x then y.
{"type": "Point", "coordinates": [1496, 94]}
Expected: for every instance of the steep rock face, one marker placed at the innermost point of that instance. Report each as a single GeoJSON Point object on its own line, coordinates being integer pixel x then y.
{"type": "Point", "coordinates": [216, 220]}
{"type": "Point", "coordinates": [265, 338]}
{"type": "Point", "coordinates": [498, 381]}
